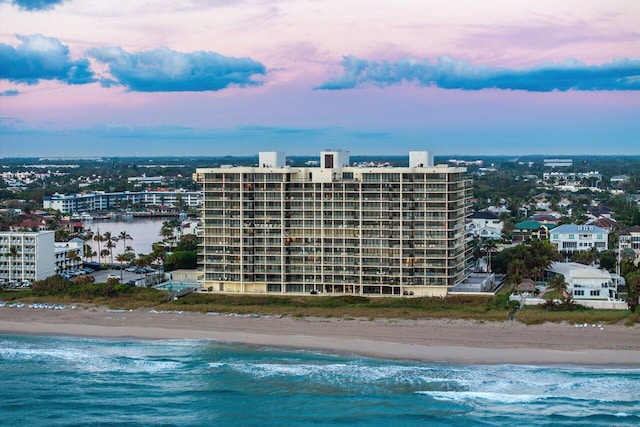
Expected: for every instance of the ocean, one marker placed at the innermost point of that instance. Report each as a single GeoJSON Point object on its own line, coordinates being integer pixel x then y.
{"type": "Point", "coordinates": [68, 381]}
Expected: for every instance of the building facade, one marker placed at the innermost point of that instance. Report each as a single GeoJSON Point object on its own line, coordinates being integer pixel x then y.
{"type": "Point", "coordinates": [334, 228]}
{"type": "Point", "coordinates": [26, 256]}
{"type": "Point", "coordinates": [485, 225]}
{"type": "Point", "coordinates": [69, 255]}
{"type": "Point", "coordinates": [91, 202]}
{"type": "Point", "coordinates": [570, 238]}
{"type": "Point", "coordinates": [630, 240]}
{"type": "Point", "coordinates": [584, 282]}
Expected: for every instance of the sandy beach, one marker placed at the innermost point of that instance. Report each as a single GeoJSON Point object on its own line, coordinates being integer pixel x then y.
{"type": "Point", "coordinates": [456, 341]}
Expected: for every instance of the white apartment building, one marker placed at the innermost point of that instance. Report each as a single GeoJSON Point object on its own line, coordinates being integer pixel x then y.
{"type": "Point", "coordinates": [90, 202]}
{"type": "Point", "coordinates": [26, 256]}
{"type": "Point", "coordinates": [68, 255]}
{"type": "Point", "coordinates": [335, 228]}
{"type": "Point", "coordinates": [570, 238]}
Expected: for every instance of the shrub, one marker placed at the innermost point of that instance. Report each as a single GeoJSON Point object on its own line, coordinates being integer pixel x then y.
{"type": "Point", "coordinates": [52, 285]}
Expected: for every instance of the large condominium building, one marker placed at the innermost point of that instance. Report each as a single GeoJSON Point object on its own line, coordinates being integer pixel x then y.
{"type": "Point", "coordinates": [334, 228]}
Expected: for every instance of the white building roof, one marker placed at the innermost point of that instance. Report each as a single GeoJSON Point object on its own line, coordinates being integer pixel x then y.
{"type": "Point", "coordinates": [574, 270]}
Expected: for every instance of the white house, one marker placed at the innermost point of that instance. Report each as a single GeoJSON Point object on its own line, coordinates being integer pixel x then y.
{"type": "Point", "coordinates": [630, 239]}
{"type": "Point", "coordinates": [485, 225]}
{"type": "Point", "coordinates": [570, 238]}
{"type": "Point", "coordinates": [584, 282]}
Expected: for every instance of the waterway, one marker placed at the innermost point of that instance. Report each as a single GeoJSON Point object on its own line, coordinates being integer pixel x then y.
{"type": "Point", "coordinates": [144, 232]}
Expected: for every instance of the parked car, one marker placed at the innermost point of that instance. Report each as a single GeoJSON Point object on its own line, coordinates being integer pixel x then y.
{"type": "Point", "coordinates": [131, 269]}
{"type": "Point", "coordinates": [113, 276]}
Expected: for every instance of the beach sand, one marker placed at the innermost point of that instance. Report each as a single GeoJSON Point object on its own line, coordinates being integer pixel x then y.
{"type": "Point", "coordinates": [435, 340]}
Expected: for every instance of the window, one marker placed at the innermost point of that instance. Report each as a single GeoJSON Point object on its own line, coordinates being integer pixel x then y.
{"type": "Point", "coordinates": [595, 293]}
{"type": "Point", "coordinates": [555, 236]}
{"type": "Point", "coordinates": [578, 292]}
{"type": "Point", "coordinates": [571, 237]}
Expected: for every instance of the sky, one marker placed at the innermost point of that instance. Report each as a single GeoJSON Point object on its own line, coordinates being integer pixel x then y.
{"type": "Point", "coordinates": [235, 77]}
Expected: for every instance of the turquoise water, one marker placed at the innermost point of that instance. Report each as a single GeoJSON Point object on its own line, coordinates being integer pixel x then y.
{"type": "Point", "coordinates": [60, 381]}
{"type": "Point", "coordinates": [176, 286]}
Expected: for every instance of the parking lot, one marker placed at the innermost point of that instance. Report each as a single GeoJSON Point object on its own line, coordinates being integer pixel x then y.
{"type": "Point", "coordinates": [102, 275]}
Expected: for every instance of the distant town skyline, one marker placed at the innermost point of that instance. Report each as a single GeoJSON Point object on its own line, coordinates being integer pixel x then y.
{"type": "Point", "coordinates": [235, 77]}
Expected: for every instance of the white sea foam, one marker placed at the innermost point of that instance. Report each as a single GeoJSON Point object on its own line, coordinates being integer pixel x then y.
{"type": "Point", "coordinates": [465, 396]}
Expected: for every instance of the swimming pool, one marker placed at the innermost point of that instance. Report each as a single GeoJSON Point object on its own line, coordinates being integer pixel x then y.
{"type": "Point", "coordinates": [176, 286]}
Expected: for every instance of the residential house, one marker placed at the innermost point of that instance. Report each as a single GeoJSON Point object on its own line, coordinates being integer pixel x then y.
{"type": "Point", "coordinates": [485, 225]}
{"type": "Point", "coordinates": [597, 211]}
{"type": "Point", "coordinates": [629, 238]}
{"type": "Point", "coordinates": [570, 238]}
{"type": "Point", "coordinates": [584, 282]}
{"type": "Point", "coordinates": [605, 223]}
{"type": "Point", "coordinates": [531, 230]}
{"type": "Point", "coordinates": [546, 218]}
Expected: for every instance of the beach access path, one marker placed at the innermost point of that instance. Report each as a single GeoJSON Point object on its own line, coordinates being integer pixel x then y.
{"type": "Point", "coordinates": [432, 340]}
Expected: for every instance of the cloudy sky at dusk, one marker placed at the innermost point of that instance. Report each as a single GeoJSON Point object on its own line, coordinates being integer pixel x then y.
{"type": "Point", "coordinates": [218, 77]}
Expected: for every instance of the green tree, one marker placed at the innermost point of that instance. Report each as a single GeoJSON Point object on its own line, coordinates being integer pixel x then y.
{"type": "Point", "coordinates": [181, 259]}
{"type": "Point", "coordinates": [633, 289]}
{"type": "Point", "coordinates": [188, 242]}
{"type": "Point", "coordinates": [608, 260]}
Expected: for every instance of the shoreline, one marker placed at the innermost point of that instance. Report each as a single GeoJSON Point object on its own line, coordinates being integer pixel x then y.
{"type": "Point", "coordinates": [432, 340]}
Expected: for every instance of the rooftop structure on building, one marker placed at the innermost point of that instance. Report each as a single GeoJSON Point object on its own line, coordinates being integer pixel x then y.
{"type": "Point", "coordinates": [336, 228]}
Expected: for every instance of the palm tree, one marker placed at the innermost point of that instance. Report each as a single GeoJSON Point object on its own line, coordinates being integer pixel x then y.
{"type": "Point", "coordinates": [489, 246]}
{"type": "Point", "coordinates": [98, 238]}
{"type": "Point", "coordinates": [124, 236]}
{"type": "Point", "coordinates": [72, 255]}
{"type": "Point", "coordinates": [558, 284]}
{"type": "Point", "coordinates": [12, 254]}
{"type": "Point", "coordinates": [121, 258]}
{"type": "Point", "coordinates": [87, 237]}
{"type": "Point", "coordinates": [104, 254]}
{"type": "Point", "coordinates": [110, 243]}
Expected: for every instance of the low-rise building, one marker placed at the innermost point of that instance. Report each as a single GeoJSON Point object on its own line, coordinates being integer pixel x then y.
{"type": "Point", "coordinates": [570, 238]}
{"type": "Point", "coordinates": [584, 282]}
{"type": "Point", "coordinates": [485, 225]}
{"type": "Point", "coordinates": [630, 239]}
{"type": "Point", "coordinates": [68, 255]}
{"type": "Point", "coordinates": [531, 230]}
{"type": "Point", "coordinates": [91, 202]}
{"type": "Point", "coordinates": [26, 256]}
